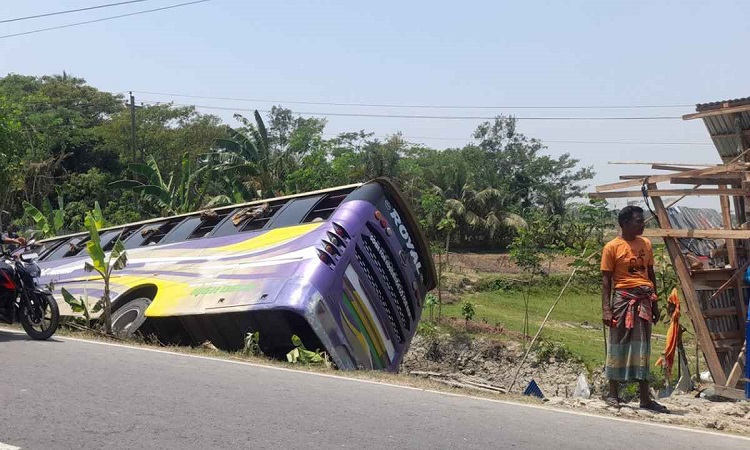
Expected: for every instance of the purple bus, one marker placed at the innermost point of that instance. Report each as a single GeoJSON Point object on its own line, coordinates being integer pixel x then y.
{"type": "Point", "coordinates": [346, 269]}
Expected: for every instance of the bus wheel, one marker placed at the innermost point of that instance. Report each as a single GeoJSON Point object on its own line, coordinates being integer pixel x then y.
{"type": "Point", "coordinates": [128, 318]}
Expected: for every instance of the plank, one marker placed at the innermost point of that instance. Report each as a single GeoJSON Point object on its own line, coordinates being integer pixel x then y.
{"type": "Point", "coordinates": [716, 112]}
{"type": "Point", "coordinates": [666, 192]}
{"type": "Point", "coordinates": [716, 179]}
{"type": "Point", "coordinates": [726, 216]}
{"type": "Point", "coordinates": [720, 312]}
{"type": "Point", "coordinates": [693, 233]}
{"type": "Point", "coordinates": [649, 163]}
{"type": "Point", "coordinates": [666, 177]}
{"type": "Point", "coordinates": [634, 177]}
{"type": "Point", "coordinates": [672, 168]}
{"type": "Point", "coordinates": [691, 298]}
{"type": "Point", "coordinates": [727, 345]}
{"type": "Point", "coordinates": [728, 334]}
{"type": "Point", "coordinates": [728, 392]}
{"type": "Point", "coordinates": [738, 368]}
{"type": "Point", "coordinates": [731, 281]}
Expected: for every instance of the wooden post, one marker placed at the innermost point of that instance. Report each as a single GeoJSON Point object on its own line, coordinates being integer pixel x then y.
{"type": "Point", "coordinates": [739, 286]}
{"type": "Point", "coordinates": [738, 368]}
{"type": "Point", "coordinates": [691, 299]}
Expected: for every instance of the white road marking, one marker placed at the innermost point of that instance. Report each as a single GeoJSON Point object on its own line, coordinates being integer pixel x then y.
{"type": "Point", "coordinates": [399, 386]}
{"type": "Point", "coordinates": [8, 447]}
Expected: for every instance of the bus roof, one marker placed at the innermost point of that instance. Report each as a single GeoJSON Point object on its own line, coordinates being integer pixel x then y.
{"type": "Point", "coordinates": [218, 208]}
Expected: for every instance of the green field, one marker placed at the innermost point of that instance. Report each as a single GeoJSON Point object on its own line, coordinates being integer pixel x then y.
{"type": "Point", "coordinates": [575, 321]}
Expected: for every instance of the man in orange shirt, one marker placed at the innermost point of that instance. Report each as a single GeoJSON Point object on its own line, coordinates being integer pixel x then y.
{"type": "Point", "coordinates": [629, 307]}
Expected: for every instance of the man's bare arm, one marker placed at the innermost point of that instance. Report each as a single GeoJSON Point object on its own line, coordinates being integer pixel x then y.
{"type": "Point", "coordinates": [606, 296]}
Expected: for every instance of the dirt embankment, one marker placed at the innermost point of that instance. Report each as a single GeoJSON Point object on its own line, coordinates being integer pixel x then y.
{"type": "Point", "coordinates": [463, 263]}
{"type": "Point", "coordinates": [463, 359]}
{"type": "Point", "coordinates": [487, 365]}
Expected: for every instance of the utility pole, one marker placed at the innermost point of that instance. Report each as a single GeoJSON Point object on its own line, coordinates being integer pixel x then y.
{"type": "Point", "coordinates": [132, 125]}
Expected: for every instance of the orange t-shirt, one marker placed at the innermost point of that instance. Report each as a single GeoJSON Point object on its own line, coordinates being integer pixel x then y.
{"type": "Point", "coordinates": [628, 261]}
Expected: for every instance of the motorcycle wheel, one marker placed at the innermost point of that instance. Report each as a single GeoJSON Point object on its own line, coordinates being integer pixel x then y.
{"type": "Point", "coordinates": [40, 317]}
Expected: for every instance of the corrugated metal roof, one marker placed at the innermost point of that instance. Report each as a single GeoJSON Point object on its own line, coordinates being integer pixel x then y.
{"type": "Point", "coordinates": [726, 130]}
{"type": "Point", "coordinates": [699, 219]}
{"type": "Point", "coordinates": [700, 107]}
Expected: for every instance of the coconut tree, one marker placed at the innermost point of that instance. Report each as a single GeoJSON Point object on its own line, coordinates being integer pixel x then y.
{"type": "Point", "coordinates": [482, 213]}
{"type": "Point", "coordinates": [247, 157]}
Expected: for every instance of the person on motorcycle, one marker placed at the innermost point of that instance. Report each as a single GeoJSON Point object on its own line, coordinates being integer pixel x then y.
{"type": "Point", "coordinates": [11, 240]}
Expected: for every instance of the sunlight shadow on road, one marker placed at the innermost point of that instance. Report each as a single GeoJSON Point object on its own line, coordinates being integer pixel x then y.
{"type": "Point", "coordinates": [8, 336]}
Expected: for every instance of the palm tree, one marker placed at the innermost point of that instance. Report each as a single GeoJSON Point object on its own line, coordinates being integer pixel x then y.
{"type": "Point", "coordinates": [483, 213]}
{"type": "Point", "coordinates": [247, 156]}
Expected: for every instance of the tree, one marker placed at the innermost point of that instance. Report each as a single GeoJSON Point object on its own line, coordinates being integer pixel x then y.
{"type": "Point", "coordinates": [467, 312]}
{"type": "Point", "coordinates": [246, 155]}
{"type": "Point", "coordinates": [381, 159]}
{"type": "Point", "coordinates": [526, 252]}
{"type": "Point", "coordinates": [509, 161]}
{"type": "Point", "coordinates": [482, 215]}
{"type": "Point", "coordinates": [447, 225]}
{"type": "Point", "coordinates": [172, 196]}
{"type": "Point", "coordinates": [164, 131]}
{"type": "Point", "coordinates": [48, 221]}
{"type": "Point", "coordinates": [103, 265]}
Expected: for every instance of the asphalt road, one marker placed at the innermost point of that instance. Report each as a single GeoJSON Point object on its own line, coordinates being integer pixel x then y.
{"type": "Point", "coordinates": [73, 394]}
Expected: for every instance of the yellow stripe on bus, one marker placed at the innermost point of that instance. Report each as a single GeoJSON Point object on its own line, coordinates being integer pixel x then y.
{"type": "Point", "coordinates": [272, 237]}
{"type": "Point", "coordinates": [171, 295]}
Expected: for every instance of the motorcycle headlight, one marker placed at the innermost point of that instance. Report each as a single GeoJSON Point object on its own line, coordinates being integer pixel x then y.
{"type": "Point", "coordinates": [33, 270]}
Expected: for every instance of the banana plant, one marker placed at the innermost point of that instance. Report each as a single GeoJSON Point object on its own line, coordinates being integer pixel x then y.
{"type": "Point", "coordinates": [81, 305]}
{"type": "Point", "coordinates": [171, 195]}
{"type": "Point", "coordinates": [48, 221]}
{"type": "Point", "coordinates": [301, 355]}
{"type": "Point", "coordinates": [101, 264]}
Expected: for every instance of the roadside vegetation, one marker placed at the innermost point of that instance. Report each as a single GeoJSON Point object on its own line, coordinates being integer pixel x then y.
{"type": "Point", "coordinates": [67, 147]}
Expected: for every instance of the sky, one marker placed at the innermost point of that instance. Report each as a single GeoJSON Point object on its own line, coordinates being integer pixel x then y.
{"type": "Point", "coordinates": [498, 54]}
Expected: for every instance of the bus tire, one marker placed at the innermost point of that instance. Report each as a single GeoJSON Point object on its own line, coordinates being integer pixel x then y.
{"type": "Point", "coordinates": [129, 317]}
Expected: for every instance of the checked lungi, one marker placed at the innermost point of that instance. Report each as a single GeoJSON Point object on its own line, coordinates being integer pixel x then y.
{"type": "Point", "coordinates": [629, 349]}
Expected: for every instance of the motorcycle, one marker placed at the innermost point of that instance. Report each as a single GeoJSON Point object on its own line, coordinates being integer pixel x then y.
{"type": "Point", "coordinates": [22, 299]}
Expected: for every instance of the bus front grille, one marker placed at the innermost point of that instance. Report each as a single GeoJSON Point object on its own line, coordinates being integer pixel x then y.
{"type": "Point", "coordinates": [387, 268]}
{"type": "Point", "coordinates": [381, 296]}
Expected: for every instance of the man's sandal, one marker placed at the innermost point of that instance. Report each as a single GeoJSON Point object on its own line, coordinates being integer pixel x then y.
{"type": "Point", "coordinates": [655, 407]}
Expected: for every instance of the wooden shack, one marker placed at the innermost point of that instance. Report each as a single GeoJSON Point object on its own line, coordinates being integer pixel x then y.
{"type": "Point", "coordinates": [715, 293]}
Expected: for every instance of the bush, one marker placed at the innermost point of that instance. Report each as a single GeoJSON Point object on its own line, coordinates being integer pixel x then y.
{"type": "Point", "coordinates": [547, 350]}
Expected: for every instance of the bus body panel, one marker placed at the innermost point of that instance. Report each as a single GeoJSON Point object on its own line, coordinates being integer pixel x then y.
{"type": "Point", "coordinates": [352, 285]}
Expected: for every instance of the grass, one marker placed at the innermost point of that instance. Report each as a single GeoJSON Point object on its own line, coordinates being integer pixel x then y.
{"type": "Point", "coordinates": [566, 325]}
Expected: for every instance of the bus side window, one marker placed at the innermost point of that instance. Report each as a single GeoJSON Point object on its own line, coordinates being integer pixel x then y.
{"type": "Point", "coordinates": [48, 248]}
{"type": "Point", "coordinates": [63, 248]}
{"type": "Point", "coordinates": [208, 223]}
{"type": "Point", "coordinates": [256, 217]}
{"type": "Point", "coordinates": [294, 212]}
{"type": "Point", "coordinates": [324, 208]}
{"type": "Point", "coordinates": [122, 234]}
{"type": "Point", "coordinates": [154, 235]}
{"type": "Point", "coordinates": [77, 249]}
{"type": "Point", "coordinates": [75, 246]}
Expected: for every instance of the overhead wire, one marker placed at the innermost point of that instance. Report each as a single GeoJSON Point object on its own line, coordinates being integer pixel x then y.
{"type": "Point", "coordinates": [414, 106]}
{"type": "Point", "coordinates": [70, 11]}
{"type": "Point", "coordinates": [437, 138]}
{"type": "Point", "coordinates": [551, 141]}
{"type": "Point", "coordinates": [102, 19]}
{"type": "Point", "coordinates": [420, 116]}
